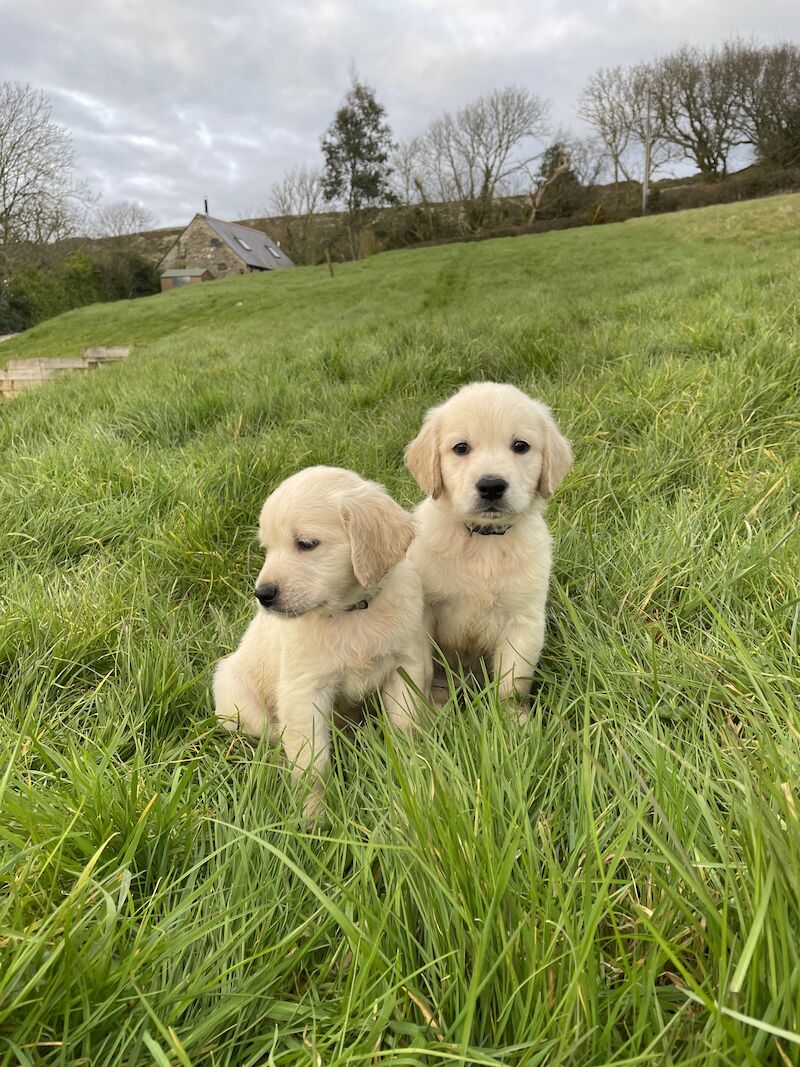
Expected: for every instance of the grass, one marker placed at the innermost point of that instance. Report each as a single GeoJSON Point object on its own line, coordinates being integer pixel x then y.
{"type": "Point", "coordinates": [616, 882]}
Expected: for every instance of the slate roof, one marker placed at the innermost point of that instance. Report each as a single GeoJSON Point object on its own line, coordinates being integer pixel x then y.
{"type": "Point", "coordinates": [252, 246]}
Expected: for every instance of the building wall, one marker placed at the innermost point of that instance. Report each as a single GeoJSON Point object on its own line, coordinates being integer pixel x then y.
{"type": "Point", "coordinates": [170, 283]}
{"type": "Point", "coordinates": [198, 246]}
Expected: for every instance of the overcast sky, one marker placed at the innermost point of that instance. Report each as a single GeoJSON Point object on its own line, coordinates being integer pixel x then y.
{"type": "Point", "coordinates": [170, 102]}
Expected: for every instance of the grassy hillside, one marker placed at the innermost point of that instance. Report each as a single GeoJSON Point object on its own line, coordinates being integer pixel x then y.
{"type": "Point", "coordinates": [548, 276]}
{"type": "Point", "coordinates": [616, 882]}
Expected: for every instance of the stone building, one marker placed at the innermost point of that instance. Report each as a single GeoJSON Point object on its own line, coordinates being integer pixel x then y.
{"type": "Point", "coordinates": [222, 249]}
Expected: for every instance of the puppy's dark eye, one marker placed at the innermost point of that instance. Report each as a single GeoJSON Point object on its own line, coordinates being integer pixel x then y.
{"type": "Point", "coordinates": [306, 544]}
{"type": "Point", "coordinates": [461, 448]}
{"type": "Point", "coordinates": [520, 447]}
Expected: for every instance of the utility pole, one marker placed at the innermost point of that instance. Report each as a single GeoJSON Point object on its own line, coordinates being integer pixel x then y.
{"type": "Point", "coordinates": [647, 139]}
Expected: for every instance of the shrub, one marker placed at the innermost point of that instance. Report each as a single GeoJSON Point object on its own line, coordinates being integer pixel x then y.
{"type": "Point", "coordinates": [40, 292]}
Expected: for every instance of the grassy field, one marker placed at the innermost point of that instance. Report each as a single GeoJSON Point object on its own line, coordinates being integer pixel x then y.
{"type": "Point", "coordinates": [617, 881]}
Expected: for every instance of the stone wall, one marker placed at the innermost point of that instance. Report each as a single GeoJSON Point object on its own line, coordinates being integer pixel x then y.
{"type": "Point", "coordinates": [198, 246]}
{"type": "Point", "coordinates": [22, 374]}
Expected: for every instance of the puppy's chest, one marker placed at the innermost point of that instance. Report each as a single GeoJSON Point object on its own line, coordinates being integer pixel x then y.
{"type": "Point", "coordinates": [363, 678]}
{"type": "Point", "coordinates": [474, 604]}
{"type": "Point", "coordinates": [475, 617]}
{"type": "Point", "coordinates": [359, 654]}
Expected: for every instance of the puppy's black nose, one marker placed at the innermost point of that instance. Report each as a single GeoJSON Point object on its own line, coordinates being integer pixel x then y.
{"type": "Point", "coordinates": [266, 595]}
{"type": "Point", "coordinates": [491, 487]}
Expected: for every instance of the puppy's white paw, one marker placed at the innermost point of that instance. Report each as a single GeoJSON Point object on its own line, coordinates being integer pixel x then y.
{"type": "Point", "coordinates": [440, 693]}
{"type": "Point", "coordinates": [405, 723]}
{"type": "Point", "coordinates": [314, 804]}
{"type": "Point", "coordinates": [517, 706]}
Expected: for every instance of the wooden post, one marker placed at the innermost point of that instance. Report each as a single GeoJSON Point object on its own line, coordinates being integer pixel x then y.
{"type": "Point", "coordinates": [330, 261]}
{"type": "Point", "coordinates": [647, 150]}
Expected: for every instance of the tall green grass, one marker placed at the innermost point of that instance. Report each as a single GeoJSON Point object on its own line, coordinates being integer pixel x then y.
{"type": "Point", "coordinates": [615, 882]}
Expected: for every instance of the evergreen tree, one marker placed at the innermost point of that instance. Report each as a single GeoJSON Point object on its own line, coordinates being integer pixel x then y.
{"type": "Point", "coordinates": [553, 159]}
{"type": "Point", "coordinates": [356, 147]}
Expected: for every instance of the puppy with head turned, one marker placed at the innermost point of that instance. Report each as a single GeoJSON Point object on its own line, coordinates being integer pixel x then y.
{"type": "Point", "coordinates": [340, 613]}
{"type": "Point", "coordinates": [489, 459]}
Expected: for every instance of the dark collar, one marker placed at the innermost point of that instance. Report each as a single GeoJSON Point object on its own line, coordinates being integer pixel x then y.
{"type": "Point", "coordinates": [360, 605]}
{"type": "Point", "coordinates": [486, 531]}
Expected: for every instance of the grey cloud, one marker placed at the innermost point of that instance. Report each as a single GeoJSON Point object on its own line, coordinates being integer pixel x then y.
{"type": "Point", "coordinates": [169, 103]}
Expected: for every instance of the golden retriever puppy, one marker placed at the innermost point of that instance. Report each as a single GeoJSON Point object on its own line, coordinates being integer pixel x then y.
{"type": "Point", "coordinates": [488, 458]}
{"type": "Point", "coordinates": [340, 610]}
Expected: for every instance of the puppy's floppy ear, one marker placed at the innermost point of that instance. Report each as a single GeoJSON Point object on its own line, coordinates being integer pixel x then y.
{"type": "Point", "coordinates": [422, 457]}
{"type": "Point", "coordinates": [556, 458]}
{"type": "Point", "coordinates": [380, 531]}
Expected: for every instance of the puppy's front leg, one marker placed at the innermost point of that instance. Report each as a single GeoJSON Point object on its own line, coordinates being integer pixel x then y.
{"type": "Point", "coordinates": [236, 702]}
{"type": "Point", "coordinates": [304, 711]}
{"type": "Point", "coordinates": [516, 656]}
{"type": "Point", "coordinates": [398, 696]}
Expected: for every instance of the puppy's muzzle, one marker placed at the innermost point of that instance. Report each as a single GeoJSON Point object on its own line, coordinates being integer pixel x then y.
{"type": "Point", "coordinates": [491, 488]}
{"type": "Point", "coordinates": [267, 595]}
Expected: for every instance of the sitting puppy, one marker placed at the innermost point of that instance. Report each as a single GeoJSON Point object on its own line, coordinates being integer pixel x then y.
{"type": "Point", "coordinates": [488, 458]}
{"type": "Point", "coordinates": [340, 610]}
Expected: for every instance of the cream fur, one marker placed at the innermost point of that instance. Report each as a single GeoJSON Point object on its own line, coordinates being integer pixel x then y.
{"type": "Point", "coordinates": [486, 594]}
{"type": "Point", "coordinates": [299, 663]}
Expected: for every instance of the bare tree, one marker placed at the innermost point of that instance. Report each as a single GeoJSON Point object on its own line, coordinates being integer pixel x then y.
{"type": "Point", "coordinates": [298, 197]}
{"type": "Point", "coordinates": [441, 166]}
{"type": "Point", "coordinates": [646, 125]}
{"type": "Point", "coordinates": [604, 104]}
{"type": "Point", "coordinates": [563, 174]}
{"type": "Point", "coordinates": [299, 192]}
{"type": "Point", "coordinates": [770, 101]}
{"type": "Point", "coordinates": [618, 103]}
{"type": "Point", "coordinates": [122, 219]}
{"type": "Point", "coordinates": [588, 159]}
{"type": "Point", "coordinates": [408, 162]}
{"type": "Point", "coordinates": [474, 153]}
{"type": "Point", "coordinates": [697, 100]}
{"type": "Point", "coordinates": [40, 201]}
